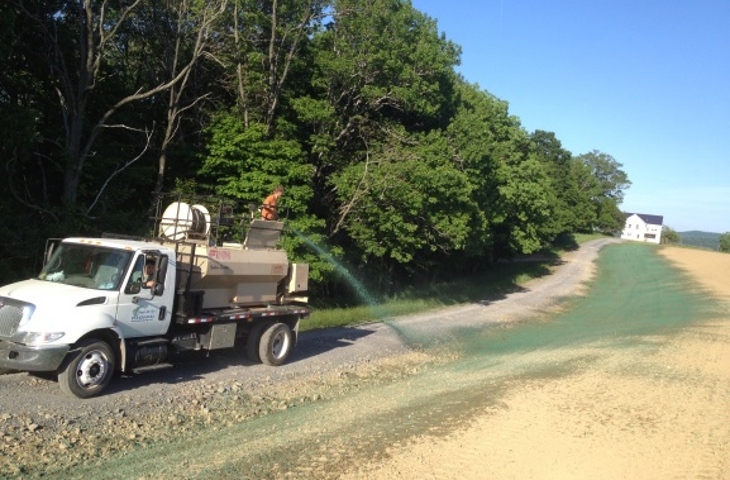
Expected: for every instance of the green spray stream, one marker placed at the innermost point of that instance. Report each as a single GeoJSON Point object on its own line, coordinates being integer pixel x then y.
{"type": "Point", "coordinates": [344, 273]}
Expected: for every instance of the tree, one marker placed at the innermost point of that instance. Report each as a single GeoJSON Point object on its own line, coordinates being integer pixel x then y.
{"type": "Point", "coordinates": [406, 204]}
{"type": "Point", "coordinates": [611, 180]}
{"type": "Point", "coordinates": [83, 41]}
{"type": "Point", "coordinates": [244, 163]}
{"type": "Point", "coordinates": [570, 204]}
{"type": "Point", "coordinates": [605, 187]}
{"type": "Point", "coordinates": [381, 83]}
{"type": "Point", "coordinates": [380, 69]}
{"type": "Point", "coordinates": [725, 242]}
{"type": "Point", "coordinates": [183, 33]}
{"type": "Point", "coordinates": [509, 184]}
{"type": "Point", "coordinates": [669, 235]}
{"type": "Point", "coordinates": [291, 22]}
{"type": "Point", "coordinates": [268, 37]}
{"type": "Point", "coordinates": [384, 59]}
{"type": "Point", "coordinates": [584, 211]}
{"type": "Point", "coordinates": [527, 204]}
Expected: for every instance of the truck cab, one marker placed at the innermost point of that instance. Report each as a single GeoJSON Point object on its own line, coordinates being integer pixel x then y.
{"type": "Point", "coordinates": [88, 289]}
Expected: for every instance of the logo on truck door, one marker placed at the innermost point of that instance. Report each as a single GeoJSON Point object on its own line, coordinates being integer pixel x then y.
{"type": "Point", "coordinates": [144, 313]}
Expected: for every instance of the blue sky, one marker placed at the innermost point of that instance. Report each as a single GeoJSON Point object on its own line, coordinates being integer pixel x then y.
{"type": "Point", "coordinates": [645, 81]}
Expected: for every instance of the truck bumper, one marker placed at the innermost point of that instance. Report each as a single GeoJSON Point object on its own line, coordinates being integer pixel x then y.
{"type": "Point", "coordinates": [14, 356]}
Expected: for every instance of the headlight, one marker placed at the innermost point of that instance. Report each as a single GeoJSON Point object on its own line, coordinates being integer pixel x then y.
{"type": "Point", "coordinates": [26, 312]}
{"type": "Point", "coordinates": [38, 338]}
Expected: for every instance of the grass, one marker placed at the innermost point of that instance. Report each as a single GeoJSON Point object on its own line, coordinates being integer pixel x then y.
{"type": "Point", "coordinates": [501, 279]}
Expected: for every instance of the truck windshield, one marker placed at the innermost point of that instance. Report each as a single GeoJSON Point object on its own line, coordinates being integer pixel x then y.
{"type": "Point", "coordinates": [86, 266]}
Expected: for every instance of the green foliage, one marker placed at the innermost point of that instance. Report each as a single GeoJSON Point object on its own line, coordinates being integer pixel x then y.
{"type": "Point", "coordinates": [379, 67]}
{"type": "Point", "coordinates": [385, 59]}
{"type": "Point", "coordinates": [725, 242]}
{"type": "Point", "coordinates": [669, 235]}
{"type": "Point", "coordinates": [512, 189]}
{"type": "Point", "coordinates": [482, 136]}
{"type": "Point", "coordinates": [573, 211]}
{"type": "Point", "coordinates": [602, 182]}
{"type": "Point", "coordinates": [244, 163]}
{"type": "Point", "coordinates": [527, 202]}
{"type": "Point", "coordinates": [306, 243]}
{"type": "Point", "coordinates": [701, 239]}
{"type": "Point", "coordinates": [610, 218]}
{"type": "Point", "coordinates": [406, 204]}
{"type": "Point", "coordinates": [610, 180]}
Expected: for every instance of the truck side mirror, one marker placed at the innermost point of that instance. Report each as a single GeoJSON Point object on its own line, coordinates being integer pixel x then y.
{"type": "Point", "coordinates": [160, 272]}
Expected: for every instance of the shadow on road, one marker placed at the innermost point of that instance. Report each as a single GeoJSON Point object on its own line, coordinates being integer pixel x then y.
{"type": "Point", "coordinates": [192, 366]}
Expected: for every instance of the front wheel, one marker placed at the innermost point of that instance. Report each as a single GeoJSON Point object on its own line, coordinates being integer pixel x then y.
{"type": "Point", "coordinates": [276, 344]}
{"type": "Point", "coordinates": [89, 371]}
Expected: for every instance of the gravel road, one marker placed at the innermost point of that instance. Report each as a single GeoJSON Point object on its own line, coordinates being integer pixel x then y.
{"type": "Point", "coordinates": [42, 430]}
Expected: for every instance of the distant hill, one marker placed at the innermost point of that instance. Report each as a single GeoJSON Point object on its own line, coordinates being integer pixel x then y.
{"type": "Point", "coordinates": [701, 239]}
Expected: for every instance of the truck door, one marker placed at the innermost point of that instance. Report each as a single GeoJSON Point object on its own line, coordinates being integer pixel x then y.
{"type": "Point", "coordinates": [145, 300]}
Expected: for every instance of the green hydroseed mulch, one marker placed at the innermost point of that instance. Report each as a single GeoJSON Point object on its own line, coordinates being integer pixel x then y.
{"type": "Point", "coordinates": [633, 306]}
{"type": "Point", "coordinates": [635, 294]}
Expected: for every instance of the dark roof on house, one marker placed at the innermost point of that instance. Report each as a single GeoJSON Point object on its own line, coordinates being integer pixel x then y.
{"type": "Point", "coordinates": [652, 219]}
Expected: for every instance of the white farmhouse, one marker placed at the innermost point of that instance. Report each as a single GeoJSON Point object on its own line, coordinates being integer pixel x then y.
{"type": "Point", "coordinates": [641, 227]}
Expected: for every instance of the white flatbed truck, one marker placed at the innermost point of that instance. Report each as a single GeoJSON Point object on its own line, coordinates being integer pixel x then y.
{"type": "Point", "coordinates": [90, 312]}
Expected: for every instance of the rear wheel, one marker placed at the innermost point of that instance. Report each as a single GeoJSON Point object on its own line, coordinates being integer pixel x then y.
{"type": "Point", "coordinates": [252, 342]}
{"type": "Point", "coordinates": [276, 344]}
{"type": "Point", "coordinates": [89, 371]}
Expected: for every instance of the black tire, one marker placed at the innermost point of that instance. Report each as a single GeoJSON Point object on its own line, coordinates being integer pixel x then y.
{"type": "Point", "coordinates": [89, 371]}
{"type": "Point", "coordinates": [276, 344]}
{"type": "Point", "coordinates": [252, 342]}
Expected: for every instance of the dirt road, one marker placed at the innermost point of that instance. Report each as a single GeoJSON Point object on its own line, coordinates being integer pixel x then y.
{"type": "Point", "coordinates": [498, 389]}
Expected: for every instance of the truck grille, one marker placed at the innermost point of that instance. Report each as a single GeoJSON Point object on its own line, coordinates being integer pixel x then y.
{"type": "Point", "coordinates": [11, 313]}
